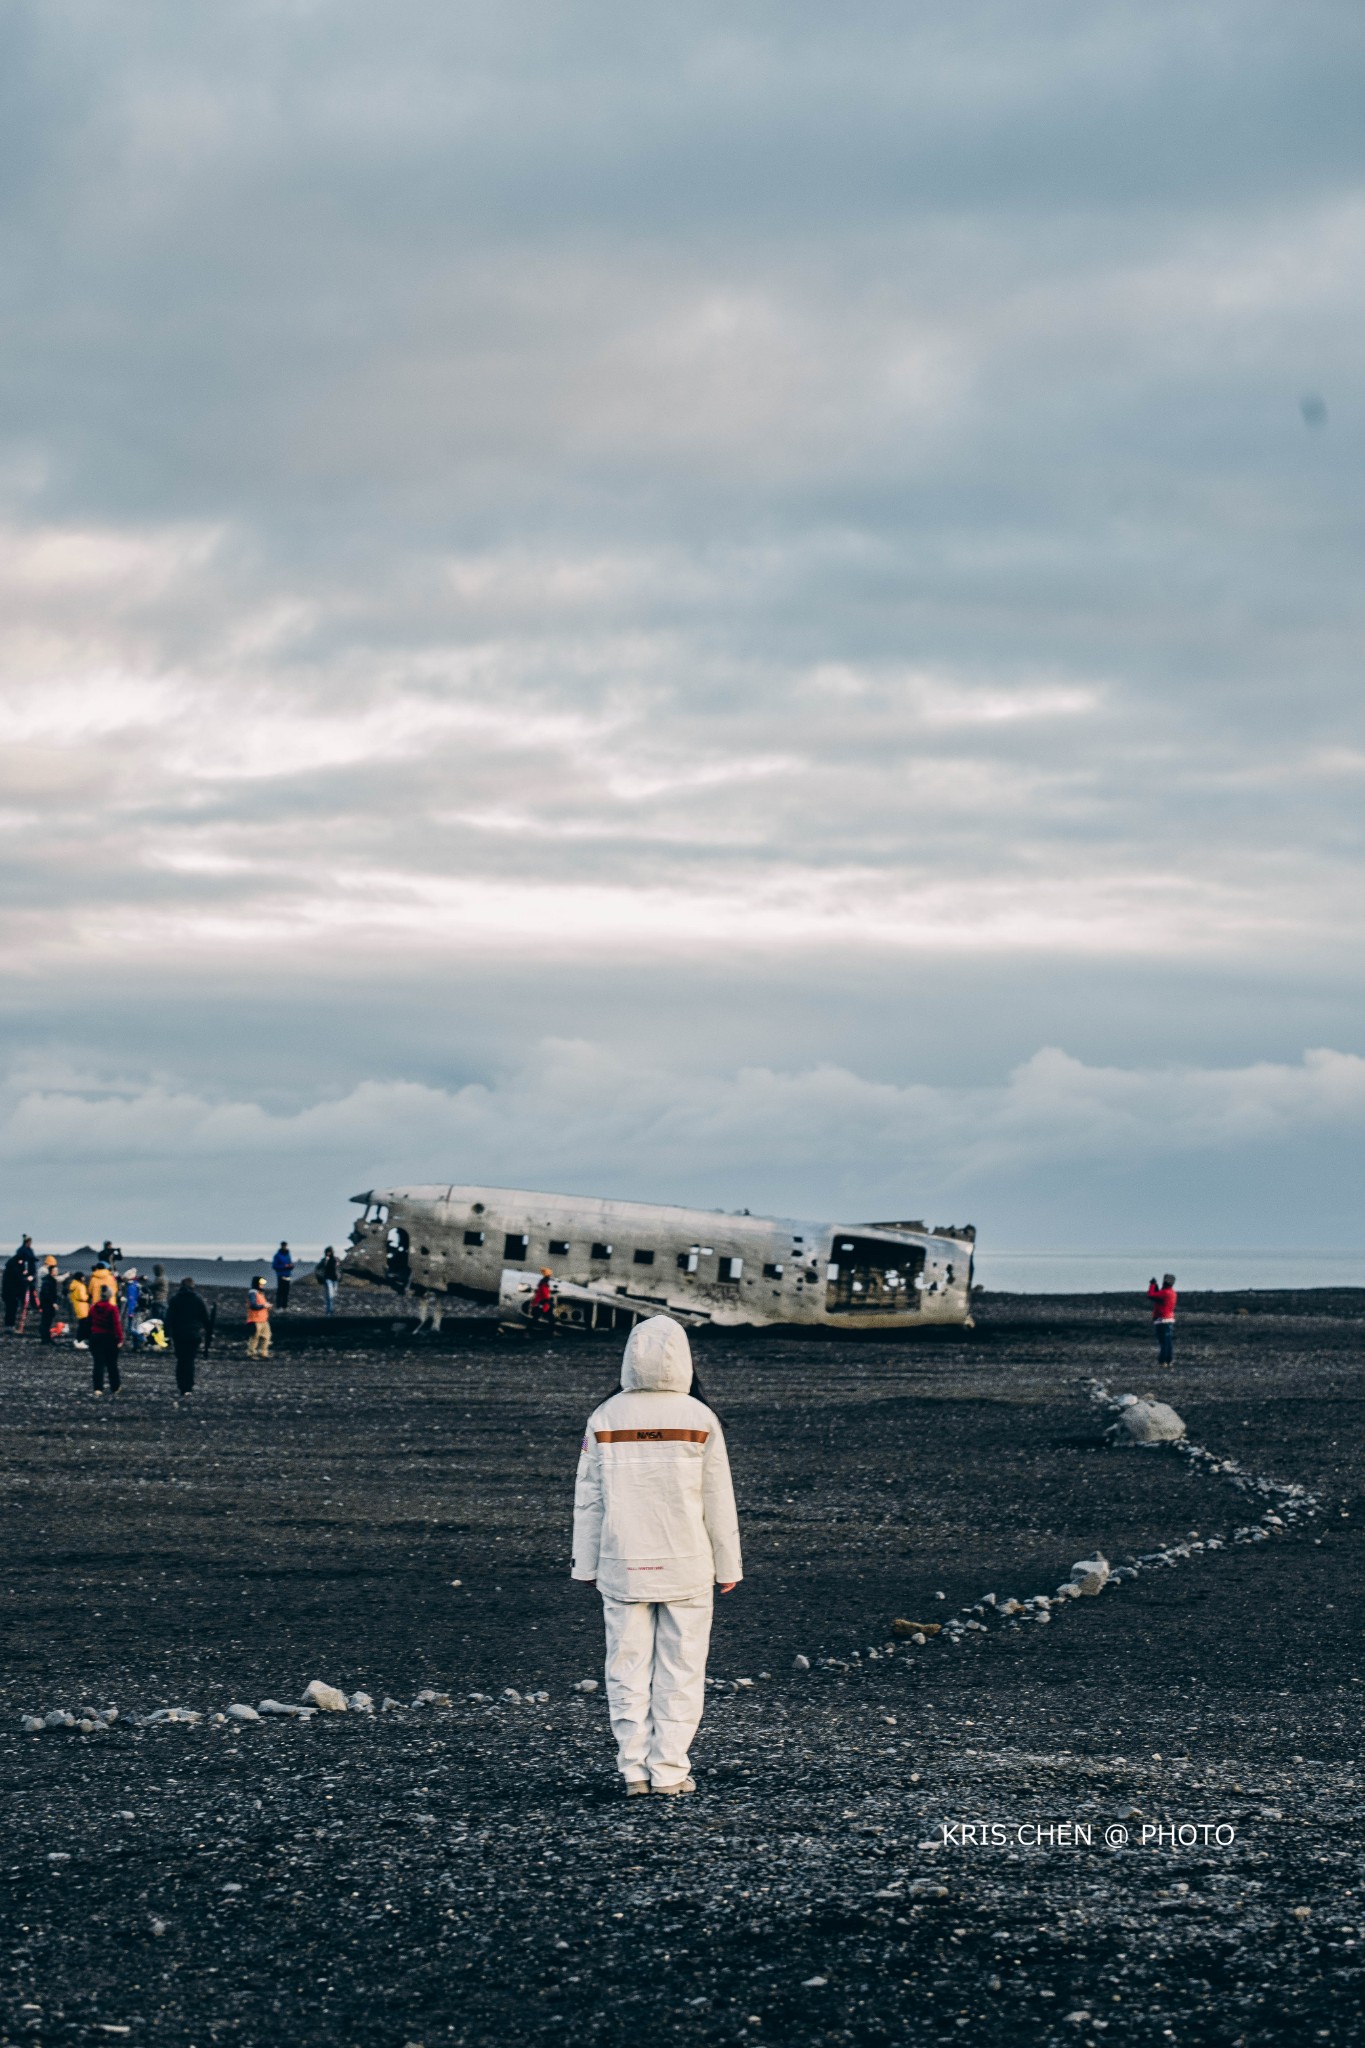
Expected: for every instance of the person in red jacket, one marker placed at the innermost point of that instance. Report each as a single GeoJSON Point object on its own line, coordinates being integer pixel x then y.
{"type": "Point", "coordinates": [1163, 1315]}
{"type": "Point", "coordinates": [104, 1333]}
{"type": "Point", "coordinates": [542, 1301]}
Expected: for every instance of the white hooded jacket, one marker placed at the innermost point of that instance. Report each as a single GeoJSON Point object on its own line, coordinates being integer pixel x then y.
{"type": "Point", "coordinates": [654, 1509]}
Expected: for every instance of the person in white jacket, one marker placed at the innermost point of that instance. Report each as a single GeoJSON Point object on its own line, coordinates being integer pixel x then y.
{"type": "Point", "coordinates": [655, 1530]}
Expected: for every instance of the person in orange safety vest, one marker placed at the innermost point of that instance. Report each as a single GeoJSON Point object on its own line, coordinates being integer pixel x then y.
{"type": "Point", "coordinates": [258, 1319]}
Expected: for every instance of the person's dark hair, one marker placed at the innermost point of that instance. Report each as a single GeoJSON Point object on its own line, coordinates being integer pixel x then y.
{"type": "Point", "coordinates": [1168, 1279]}
{"type": "Point", "coordinates": [186, 1282]}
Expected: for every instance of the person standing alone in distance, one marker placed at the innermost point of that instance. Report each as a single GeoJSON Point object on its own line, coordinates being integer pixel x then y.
{"type": "Point", "coordinates": [1163, 1300]}
{"type": "Point", "coordinates": [188, 1327]}
{"type": "Point", "coordinates": [655, 1531]}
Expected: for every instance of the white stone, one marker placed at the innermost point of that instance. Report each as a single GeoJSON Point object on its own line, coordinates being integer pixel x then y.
{"type": "Point", "coordinates": [1090, 1575]}
{"type": "Point", "coordinates": [511, 1695]}
{"type": "Point", "coordinates": [585, 1685]}
{"type": "Point", "coordinates": [360, 1703]}
{"type": "Point", "coordinates": [387, 1704]}
{"type": "Point", "coordinates": [279, 1707]}
{"type": "Point", "coordinates": [1150, 1422]}
{"type": "Point", "coordinates": [800, 1663]}
{"type": "Point", "coordinates": [58, 1718]}
{"type": "Point", "coordinates": [326, 1698]}
{"type": "Point", "coordinates": [240, 1711]}
{"type": "Point", "coordinates": [34, 1724]}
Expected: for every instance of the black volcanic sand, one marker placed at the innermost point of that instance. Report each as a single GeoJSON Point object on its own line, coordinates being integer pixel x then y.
{"type": "Point", "coordinates": [469, 1873]}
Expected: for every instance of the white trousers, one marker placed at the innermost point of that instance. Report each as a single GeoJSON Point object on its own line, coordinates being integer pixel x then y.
{"type": "Point", "coordinates": [656, 1683]}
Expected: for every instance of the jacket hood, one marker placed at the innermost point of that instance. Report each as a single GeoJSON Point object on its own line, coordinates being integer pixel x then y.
{"type": "Point", "coordinates": [658, 1358]}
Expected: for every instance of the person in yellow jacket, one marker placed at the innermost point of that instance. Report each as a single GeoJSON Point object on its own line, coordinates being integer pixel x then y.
{"type": "Point", "coordinates": [102, 1276]}
{"type": "Point", "coordinates": [258, 1320]}
{"type": "Point", "coordinates": [78, 1294]}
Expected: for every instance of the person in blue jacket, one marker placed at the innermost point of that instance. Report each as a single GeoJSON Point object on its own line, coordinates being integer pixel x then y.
{"type": "Point", "coordinates": [283, 1262]}
{"type": "Point", "coordinates": [132, 1296]}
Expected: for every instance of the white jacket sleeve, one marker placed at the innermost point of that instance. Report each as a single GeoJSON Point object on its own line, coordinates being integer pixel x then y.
{"type": "Point", "coordinates": [718, 1509]}
{"type": "Point", "coordinates": [587, 1509]}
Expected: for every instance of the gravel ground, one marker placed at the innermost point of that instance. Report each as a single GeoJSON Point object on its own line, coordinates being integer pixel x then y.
{"type": "Point", "coordinates": [467, 1871]}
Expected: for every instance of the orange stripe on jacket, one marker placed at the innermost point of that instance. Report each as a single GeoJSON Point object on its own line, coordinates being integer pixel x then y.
{"type": "Point", "coordinates": [651, 1436]}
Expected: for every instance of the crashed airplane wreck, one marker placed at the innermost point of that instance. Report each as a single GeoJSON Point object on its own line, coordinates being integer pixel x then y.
{"type": "Point", "coordinates": [613, 1263]}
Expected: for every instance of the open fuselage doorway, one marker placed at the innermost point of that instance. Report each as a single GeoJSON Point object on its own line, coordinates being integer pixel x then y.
{"type": "Point", "coordinates": [867, 1276]}
{"type": "Point", "coordinates": [398, 1255]}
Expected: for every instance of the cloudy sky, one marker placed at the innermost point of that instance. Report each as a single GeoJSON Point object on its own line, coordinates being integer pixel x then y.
{"type": "Point", "coordinates": [753, 605]}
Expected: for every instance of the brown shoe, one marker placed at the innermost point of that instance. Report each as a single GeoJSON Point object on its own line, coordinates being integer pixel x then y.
{"type": "Point", "coordinates": [673, 1791]}
{"type": "Point", "coordinates": [634, 1786]}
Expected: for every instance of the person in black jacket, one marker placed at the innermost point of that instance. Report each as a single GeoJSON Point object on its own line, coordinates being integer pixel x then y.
{"type": "Point", "coordinates": [187, 1326]}
{"type": "Point", "coordinates": [13, 1289]}
{"type": "Point", "coordinates": [49, 1301]}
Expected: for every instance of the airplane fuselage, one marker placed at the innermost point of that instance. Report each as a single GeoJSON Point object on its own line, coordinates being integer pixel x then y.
{"type": "Point", "coordinates": [646, 1257]}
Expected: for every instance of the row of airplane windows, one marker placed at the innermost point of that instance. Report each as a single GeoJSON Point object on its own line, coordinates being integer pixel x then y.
{"type": "Point", "coordinates": [516, 1246]}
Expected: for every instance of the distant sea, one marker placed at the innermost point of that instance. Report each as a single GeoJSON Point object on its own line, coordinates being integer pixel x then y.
{"type": "Point", "coordinates": [1011, 1272]}
{"type": "Point", "coordinates": [1195, 1271]}
{"type": "Point", "coordinates": [221, 1265]}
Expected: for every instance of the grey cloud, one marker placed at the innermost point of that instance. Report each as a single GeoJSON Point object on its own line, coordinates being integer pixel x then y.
{"type": "Point", "coordinates": [816, 1142]}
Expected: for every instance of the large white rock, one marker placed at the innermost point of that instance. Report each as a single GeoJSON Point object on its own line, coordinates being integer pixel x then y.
{"type": "Point", "coordinates": [325, 1698]}
{"type": "Point", "coordinates": [1091, 1575]}
{"type": "Point", "coordinates": [240, 1711]}
{"type": "Point", "coordinates": [1150, 1422]}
